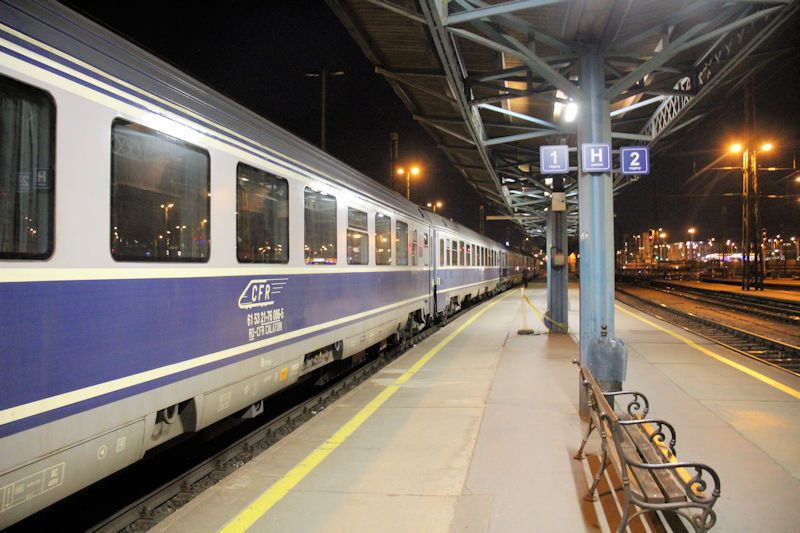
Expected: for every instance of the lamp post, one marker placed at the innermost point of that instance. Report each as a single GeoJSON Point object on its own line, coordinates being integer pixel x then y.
{"type": "Point", "coordinates": [323, 75]}
{"type": "Point", "coordinates": [751, 212]}
{"type": "Point", "coordinates": [408, 172]}
{"type": "Point", "coordinates": [691, 242]}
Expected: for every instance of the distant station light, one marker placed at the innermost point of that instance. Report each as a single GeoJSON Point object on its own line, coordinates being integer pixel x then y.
{"type": "Point", "coordinates": [736, 148]}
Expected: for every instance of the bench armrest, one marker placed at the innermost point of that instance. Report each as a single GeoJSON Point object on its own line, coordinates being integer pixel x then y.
{"type": "Point", "coordinates": [634, 407]}
{"type": "Point", "coordinates": [657, 436]}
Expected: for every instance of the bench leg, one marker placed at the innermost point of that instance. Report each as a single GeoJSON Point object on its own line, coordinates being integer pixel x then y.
{"type": "Point", "coordinates": [591, 496]}
{"type": "Point", "coordinates": [579, 456]}
{"type": "Point", "coordinates": [624, 521]}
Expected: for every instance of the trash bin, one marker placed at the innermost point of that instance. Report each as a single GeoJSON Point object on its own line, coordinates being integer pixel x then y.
{"type": "Point", "coordinates": [608, 361]}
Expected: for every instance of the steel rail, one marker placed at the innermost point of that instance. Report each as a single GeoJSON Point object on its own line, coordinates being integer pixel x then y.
{"type": "Point", "coordinates": [772, 352]}
{"type": "Point", "coordinates": [765, 307]}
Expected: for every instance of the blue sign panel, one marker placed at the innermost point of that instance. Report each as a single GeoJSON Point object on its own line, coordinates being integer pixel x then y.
{"type": "Point", "coordinates": [554, 159]}
{"type": "Point", "coordinates": [635, 159]}
{"type": "Point", "coordinates": [596, 157]}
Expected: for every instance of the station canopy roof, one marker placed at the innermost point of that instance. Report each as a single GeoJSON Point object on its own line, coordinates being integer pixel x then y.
{"type": "Point", "coordinates": [491, 81]}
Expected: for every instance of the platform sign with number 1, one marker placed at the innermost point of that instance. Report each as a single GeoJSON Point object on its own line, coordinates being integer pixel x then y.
{"type": "Point", "coordinates": [554, 159]}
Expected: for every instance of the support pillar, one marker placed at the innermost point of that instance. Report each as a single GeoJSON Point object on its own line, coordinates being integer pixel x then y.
{"type": "Point", "coordinates": [596, 215]}
{"type": "Point", "coordinates": [557, 269]}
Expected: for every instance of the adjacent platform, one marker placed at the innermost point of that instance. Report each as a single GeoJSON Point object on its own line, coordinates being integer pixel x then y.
{"type": "Point", "coordinates": [788, 290]}
{"type": "Point", "coordinates": [475, 429]}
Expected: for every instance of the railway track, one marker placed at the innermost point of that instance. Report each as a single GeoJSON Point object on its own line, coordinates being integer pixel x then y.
{"type": "Point", "coordinates": [775, 353]}
{"type": "Point", "coordinates": [151, 508]}
{"type": "Point", "coordinates": [771, 308]}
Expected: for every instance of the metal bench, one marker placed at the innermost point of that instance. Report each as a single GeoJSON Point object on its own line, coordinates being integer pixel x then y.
{"type": "Point", "coordinates": [652, 478]}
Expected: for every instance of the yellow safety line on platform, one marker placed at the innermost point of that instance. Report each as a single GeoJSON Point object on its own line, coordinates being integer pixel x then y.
{"type": "Point", "coordinates": [281, 488]}
{"type": "Point", "coordinates": [750, 372]}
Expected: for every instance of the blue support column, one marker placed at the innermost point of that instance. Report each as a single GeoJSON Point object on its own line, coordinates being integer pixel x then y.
{"type": "Point", "coordinates": [557, 298]}
{"type": "Point", "coordinates": [596, 215]}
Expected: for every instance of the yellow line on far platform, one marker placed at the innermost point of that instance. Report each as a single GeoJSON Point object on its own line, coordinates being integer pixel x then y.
{"type": "Point", "coordinates": [281, 488]}
{"type": "Point", "coordinates": [749, 371]}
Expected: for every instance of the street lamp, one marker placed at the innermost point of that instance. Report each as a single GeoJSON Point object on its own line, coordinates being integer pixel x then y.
{"type": "Point", "coordinates": [166, 208]}
{"type": "Point", "coordinates": [408, 172]}
{"type": "Point", "coordinates": [435, 205]}
{"type": "Point", "coordinates": [691, 241]}
{"type": "Point", "coordinates": [750, 196]}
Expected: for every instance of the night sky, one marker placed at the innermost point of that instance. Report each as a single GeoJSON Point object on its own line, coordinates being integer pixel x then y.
{"type": "Point", "coordinates": [258, 53]}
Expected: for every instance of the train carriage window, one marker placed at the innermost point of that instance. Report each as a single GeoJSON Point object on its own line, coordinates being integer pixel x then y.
{"type": "Point", "coordinates": [160, 196]}
{"type": "Point", "coordinates": [357, 237]}
{"type": "Point", "coordinates": [262, 216]}
{"type": "Point", "coordinates": [27, 192]}
{"type": "Point", "coordinates": [462, 249]}
{"type": "Point", "coordinates": [414, 249]}
{"type": "Point", "coordinates": [453, 253]}
{"type": "Point", "coordinates": [441, 252]}
{"type": "Point", "coordinates": [401, 242]}
{"type": "Point", "coordinates": [425, 249]}
{"type": "Point", "coordinates": [383, 240]}
{"type": "Point", "coordinates": [320, 228]}
{"type": "Point", "coordinates": [468, 254]}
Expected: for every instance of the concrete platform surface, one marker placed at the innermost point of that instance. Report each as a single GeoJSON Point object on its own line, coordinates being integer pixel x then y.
{"type": "Point", "coordinates": [481, 438]}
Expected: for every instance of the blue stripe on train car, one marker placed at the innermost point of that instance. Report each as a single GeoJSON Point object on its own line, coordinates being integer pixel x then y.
{"type": "Point", "coordinates": [67, 335]}
{"type": "Point", "coordinates": [450, 278]}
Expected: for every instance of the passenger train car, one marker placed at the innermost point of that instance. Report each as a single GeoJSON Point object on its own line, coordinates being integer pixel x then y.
{"type": "Point", "coordinates": [168, 258]}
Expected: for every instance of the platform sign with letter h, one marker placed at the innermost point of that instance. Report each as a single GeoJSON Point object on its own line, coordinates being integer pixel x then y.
{"type": "Point", "coordinates": [634, 159]}
{"type": "Point", "coordinates": [596, 157]}
{"type": "Point", "coordinates": [554, 159]}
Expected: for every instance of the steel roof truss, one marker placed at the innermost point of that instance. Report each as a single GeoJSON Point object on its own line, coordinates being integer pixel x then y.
{"type": "Point", "coordinates": [454, 69]}
{"type": "Point", "coordinates": [394, 8]}
{"type": "Point", "coordinates": [517, 137]}
{"type": "Point", "coordinates": [534, 62]}
{"type": "Point", "coordinates": [522, 26]}
{"type": "Point", "coordinates": [688, 40]}
{"type": "Point", "coordinates": [496, 9]}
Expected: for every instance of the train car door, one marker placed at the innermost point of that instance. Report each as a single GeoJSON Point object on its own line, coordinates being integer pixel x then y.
{"type": "Point", "coordinates": [434, 259]}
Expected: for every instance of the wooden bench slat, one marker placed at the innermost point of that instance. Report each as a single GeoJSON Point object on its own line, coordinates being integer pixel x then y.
{"type": "Point", "coordinates": [669, 486]}
{"type": "Point", "coordinates": [648, 489]}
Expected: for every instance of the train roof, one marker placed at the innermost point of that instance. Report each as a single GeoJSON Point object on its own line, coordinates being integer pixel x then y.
{"type": "Point", "coordinates": [76, 35]}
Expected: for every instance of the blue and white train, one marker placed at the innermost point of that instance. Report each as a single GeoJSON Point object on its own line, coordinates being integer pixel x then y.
{"type": "Point", "coordinates": [168, 258]}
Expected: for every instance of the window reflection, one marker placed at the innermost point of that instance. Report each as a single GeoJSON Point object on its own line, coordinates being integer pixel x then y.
{"type": "Point", "coordinates": [320, 228]}
{"type": "Point", "coordinates": [357, 237]}
{"type": "Point", "coordinates": [262, 216]}
{"type": "Point", "coordinates": [27, 192]}
{"type": "Point", "coordinates": [383, 238]}
{"type": "Point", "coordinates": [401, 241]}
{"type": "Point", "coordinates": [160, 196]}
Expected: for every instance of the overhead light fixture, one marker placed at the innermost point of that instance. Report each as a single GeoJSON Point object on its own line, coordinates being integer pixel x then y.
{"type": "Point", "coordinates": [571, 112]}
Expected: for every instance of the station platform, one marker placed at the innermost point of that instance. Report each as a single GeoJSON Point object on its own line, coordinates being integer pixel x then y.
{"type": "Point", "coordinates": [475, 430]}
{"type": "Point", "coordinates": [787, 290]}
